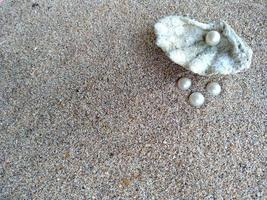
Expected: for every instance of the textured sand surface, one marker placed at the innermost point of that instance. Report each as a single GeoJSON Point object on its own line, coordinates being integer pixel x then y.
{"type": "Point", "coordinates": [89, 108]}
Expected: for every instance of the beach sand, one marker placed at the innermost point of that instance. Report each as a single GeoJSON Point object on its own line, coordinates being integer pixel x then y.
{"type": "Point", "coordinates": [90, 109]}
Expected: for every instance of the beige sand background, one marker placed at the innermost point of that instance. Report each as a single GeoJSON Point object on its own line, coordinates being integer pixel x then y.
{"type": "Point", "coordinates": [89, 108]}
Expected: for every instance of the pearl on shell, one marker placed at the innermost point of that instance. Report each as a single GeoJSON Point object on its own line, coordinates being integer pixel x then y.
{"type": "Point", "coordinates": [184, 83]}
{"type": "Point", "coordinates": [213, 38]}
{"type": "Point", "coordinates": [196, 99]}
{"type": "Point", "coordinates": [214, 88]}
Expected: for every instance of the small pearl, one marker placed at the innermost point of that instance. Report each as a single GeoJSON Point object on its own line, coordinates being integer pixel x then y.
{"type": "Point", "coordinates": [214, 88]}
{"type": "Point", "coordinates": [196, 99]}
{"type": "Point", "coordinates": [213, 38]}
{"type": "Point", "coordinates": [184, 83]}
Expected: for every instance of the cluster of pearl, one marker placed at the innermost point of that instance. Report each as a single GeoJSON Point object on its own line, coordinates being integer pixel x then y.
{"type": "Point", "coordinates": [196, 98]}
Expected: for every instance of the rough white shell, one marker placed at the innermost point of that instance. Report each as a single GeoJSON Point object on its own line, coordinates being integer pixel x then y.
{"type": "Point", "coordinates": [183, 40]}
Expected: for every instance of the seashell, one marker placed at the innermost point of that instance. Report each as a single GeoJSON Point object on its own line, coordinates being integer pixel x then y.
{"type": "Point", "coordinates": [188, 43]}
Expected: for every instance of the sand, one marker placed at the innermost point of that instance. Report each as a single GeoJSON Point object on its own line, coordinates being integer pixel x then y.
{"type": "Point", "coordinates": [90, 109]}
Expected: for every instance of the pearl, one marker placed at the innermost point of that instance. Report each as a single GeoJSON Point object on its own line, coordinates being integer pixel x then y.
{"type": "Point", "coordinates": [213, 38]}
{"type": "Point", "coordinates": [196, 99]}
{"type": "Point", "coordinates": [214, 88]}
{"type": "Point", "coordinates": [184, 83]}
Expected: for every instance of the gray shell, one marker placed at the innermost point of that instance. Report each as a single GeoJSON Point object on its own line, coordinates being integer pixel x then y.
{"type": "Point", "coordinates": [183, 41]}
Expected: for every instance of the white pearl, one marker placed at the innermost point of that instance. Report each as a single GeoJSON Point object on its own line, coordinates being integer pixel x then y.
{"type": "Point", "coordinates": [196, 99]}
{"type": "Point", "coordinates": [184, 83]}
{"type": "Point", "coordinates": [213, 38]}
{"type": "Point", "coordinates": [214, 88]}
